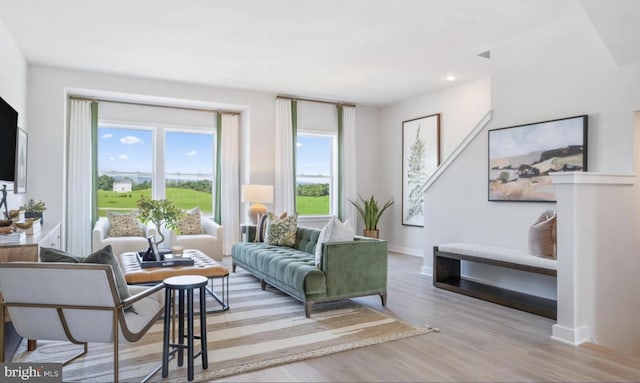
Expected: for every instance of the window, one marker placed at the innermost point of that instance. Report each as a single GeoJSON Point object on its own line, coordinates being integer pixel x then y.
{"type": "Point", "coordinates": [155, 162]}
{"type": "Point", "coordinates": [316, 158]}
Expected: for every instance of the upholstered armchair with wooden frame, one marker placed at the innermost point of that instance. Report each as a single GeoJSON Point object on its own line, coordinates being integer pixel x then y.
{"type": "Point", "coordinates": [44, 302]}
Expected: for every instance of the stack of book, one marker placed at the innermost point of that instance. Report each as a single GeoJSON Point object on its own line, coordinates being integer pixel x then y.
{"type": "Point", "coordinates": [13, 238]}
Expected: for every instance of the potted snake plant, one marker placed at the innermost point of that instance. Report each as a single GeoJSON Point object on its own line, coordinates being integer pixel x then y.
{"type": "Point", "coordinates": [371, 211]}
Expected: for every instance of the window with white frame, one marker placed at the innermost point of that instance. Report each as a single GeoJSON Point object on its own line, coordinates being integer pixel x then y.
{"type": "Point", "coordinates": [316, 173]}
{"type": "Point", "coordinates": [158, 162]}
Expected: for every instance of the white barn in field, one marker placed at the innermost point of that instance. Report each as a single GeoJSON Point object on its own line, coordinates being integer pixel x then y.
{"type": "Point", "coordinates": [123, 186]}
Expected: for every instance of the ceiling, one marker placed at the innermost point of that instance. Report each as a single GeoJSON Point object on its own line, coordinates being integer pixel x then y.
{"type": "Point", "coordinates": [374, 52]}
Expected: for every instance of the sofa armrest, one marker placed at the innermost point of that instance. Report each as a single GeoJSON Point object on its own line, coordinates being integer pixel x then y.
{"type": "Point", "coordinates": [210, 227]}
{"type": "Point", "coordinates": [99, 233]}
{"type": "Point", "coordinates": [355, 267]}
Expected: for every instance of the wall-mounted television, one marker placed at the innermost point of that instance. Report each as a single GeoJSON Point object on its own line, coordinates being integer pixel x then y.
{"type": "Point", "coordinates": [8, 141]}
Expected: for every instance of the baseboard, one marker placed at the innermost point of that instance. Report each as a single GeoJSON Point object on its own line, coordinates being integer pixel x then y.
{"type": "Point", "coordinates": [573, 336]}
{"type": "Point", "coordinates": [406, 250]}
{"type": "Point", "coordinates": [428, 271]}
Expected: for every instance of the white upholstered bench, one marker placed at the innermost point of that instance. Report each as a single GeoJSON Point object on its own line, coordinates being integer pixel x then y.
{"type": "Point", "coordinates": [446, 275]}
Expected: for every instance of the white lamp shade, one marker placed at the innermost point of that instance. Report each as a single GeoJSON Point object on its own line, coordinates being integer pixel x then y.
{"type": "Point", "coordinates": [257, 193]}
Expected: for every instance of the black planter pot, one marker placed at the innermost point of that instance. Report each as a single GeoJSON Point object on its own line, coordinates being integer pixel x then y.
{"type": "Point", "coordinates": [35, 215]}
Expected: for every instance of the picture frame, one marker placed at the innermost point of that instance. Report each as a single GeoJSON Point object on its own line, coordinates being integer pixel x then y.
{"type": "Point", "coordinates": [420, 159]}
{"type": "Point", "coordinates": [523, 157]}
{"type": "Point", "coordinates": [20, 182]}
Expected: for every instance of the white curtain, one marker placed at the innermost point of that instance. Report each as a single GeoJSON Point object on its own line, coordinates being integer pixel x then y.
{"type": "Point", "coordinates": [284, 198]}
{"type": "Point", "coordinates": [230, 179]}
{"type": "Point", "coordinates": [79, 182]}
{"type": "Point", "coordinates": [349, 172]}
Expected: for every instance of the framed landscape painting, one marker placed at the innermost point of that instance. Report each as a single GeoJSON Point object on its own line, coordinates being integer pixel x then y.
{"type": "Point", "coordinates": [522, 158]}
{"type": "Point", "coordinates": [420, 158]}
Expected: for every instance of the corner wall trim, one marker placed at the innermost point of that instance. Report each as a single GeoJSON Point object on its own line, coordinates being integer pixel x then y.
{"type": "Point", "coordinates": [573, 336]}
{"type": "Point", "coordinates": [594, 178]}
{"type": "Point", "coordinates": [458, 150]}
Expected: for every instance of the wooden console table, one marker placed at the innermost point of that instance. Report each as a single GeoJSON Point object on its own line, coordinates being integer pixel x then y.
{"type": "Point", "coordinates": [27, 251]}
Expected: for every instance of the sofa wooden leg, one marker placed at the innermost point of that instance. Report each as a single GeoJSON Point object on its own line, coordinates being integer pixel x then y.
{"type": "Point", "coordinates": [233, 267]}
{"type": "Point", "coordinates": [263, 284]}
{"type": "Point", "coordinates": [383, 298]}
{"type": "Point", "coordinates": [307, 308]}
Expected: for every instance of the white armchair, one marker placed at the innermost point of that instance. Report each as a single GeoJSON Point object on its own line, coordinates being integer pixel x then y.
{"type": "Point", "coordinates": [77, 303]}
{"type": "Point", "coordinates": [100, 239]}
{"type": "Point", "coordinates": [209, 242]}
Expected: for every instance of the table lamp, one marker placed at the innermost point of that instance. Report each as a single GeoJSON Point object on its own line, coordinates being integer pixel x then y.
{"type": "Point", "coordinates": [256, 195]}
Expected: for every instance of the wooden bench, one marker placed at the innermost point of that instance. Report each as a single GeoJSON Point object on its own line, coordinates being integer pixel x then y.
{"type": "Point", "coordinates": [446, 275]}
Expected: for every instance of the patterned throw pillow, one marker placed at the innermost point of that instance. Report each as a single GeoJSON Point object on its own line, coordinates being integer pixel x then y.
{"type": "Point", "coordinates": [125, 225]}
{"type": "Point", "coordinates": [282, 232]}
{"type": "Point", "coordinates": [263, 227]}
{"type": "Point", "coordinates": [190, 222]}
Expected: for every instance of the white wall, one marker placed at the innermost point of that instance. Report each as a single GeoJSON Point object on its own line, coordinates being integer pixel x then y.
{"type": "Point", "coordinates": [559, 70]}
{"type": "Point", "coordinates": [47, 111]}
{"type": "Point", "coordinates": [13, 89]}
{"type": "Point", "coordinates": [460, 108]}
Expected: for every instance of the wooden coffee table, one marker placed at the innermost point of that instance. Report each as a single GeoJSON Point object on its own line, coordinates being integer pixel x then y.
{"type": "Point", "coordinates": [203, 265]}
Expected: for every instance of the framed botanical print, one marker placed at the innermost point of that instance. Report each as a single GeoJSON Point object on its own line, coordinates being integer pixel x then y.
{"type": "Point", "coordinates": [420, 158]}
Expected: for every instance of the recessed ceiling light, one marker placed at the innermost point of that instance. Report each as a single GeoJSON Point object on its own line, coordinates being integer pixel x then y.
{"type": "Point", "coordinates": [451, 77]}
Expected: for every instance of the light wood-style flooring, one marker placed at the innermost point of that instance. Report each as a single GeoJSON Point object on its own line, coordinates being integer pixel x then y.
{"type": "Point", "coordinates": [478, 341]}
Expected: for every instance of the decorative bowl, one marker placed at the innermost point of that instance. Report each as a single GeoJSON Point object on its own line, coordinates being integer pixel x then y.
{"type": "Point", "coordinates": [5, 222]}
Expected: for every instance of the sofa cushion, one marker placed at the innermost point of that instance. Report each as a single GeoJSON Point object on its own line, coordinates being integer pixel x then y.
{"type": "Point", "coordinates": [49, 254]}
{"type": "Point", "coordinates": [282, 232]}
{"type": "Point", "coordinates": [124, 225]}
{"type": "Point", "coordinates": [333, 231]}
{"type": "Point", "coordinates": [542, 236]}
{"type": "Point", "coordinates": [293, 270]}
{"type": "Point", "coordinates": [190, 223]}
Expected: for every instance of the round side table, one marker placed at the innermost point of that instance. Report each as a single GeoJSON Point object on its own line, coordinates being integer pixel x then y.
{"type": "Point", "coordinates": [182, 284]}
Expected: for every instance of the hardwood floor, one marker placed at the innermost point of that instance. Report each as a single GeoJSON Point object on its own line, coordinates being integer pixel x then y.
{"type": "Point", "coordinates": [478, 341]}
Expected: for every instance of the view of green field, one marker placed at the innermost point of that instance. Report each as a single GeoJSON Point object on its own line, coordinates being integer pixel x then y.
{"type": "Point", "coordinates": [187, 199]}
{"type": "Point", "coordinates": [183, 198]}
{"type": "Point", "coordinates": [308, 205]}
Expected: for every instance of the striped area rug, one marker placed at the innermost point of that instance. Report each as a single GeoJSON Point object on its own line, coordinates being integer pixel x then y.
{"type": "Point", "coordinates": [261, 329]}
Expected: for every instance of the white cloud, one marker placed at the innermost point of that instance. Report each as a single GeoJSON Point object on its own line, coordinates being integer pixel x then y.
{"type": "Point", "coordinates": [299, 144]}
{"type": "Point", "coordinates": [123, 157]}
{"type": "Point", "coordinates": [112, 158]}
{"type": "Point", "coordinates": [108, 135]}
{"type": "Point", "coordinates": [191, 153]}
{"type": "Point", "coordinates": [130, 140]}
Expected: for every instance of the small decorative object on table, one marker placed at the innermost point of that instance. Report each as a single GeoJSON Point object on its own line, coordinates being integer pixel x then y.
{"type": "Point", "coordinates": [160, 212]}
{"type": "Point", "coordinates": [34, 209]}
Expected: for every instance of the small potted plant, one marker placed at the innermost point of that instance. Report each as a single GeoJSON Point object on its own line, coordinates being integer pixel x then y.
{"type": "Point", "coordinates": [160, 212]}
{"type": "Point", "coordinates": [370, 211]}
{"type": "Point", "coordinates": [34, 209]}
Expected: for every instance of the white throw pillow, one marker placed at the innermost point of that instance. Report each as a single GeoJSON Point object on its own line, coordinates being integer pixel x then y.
{"type": "Point", "coordinates": [333, 231]}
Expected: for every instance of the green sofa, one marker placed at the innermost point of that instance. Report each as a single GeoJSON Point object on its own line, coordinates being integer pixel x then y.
{"type": "Point", "coordinates": [349, 269]}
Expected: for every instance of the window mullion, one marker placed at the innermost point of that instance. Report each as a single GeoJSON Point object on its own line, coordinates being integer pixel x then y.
{"type": "Point", "coordinates": [159, 190]}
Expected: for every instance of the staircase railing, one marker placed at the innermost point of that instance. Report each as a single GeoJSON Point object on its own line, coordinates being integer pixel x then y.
{"type": "Point", "coordinates": [458, 150]}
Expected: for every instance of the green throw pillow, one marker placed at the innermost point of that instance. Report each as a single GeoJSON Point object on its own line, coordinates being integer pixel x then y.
{"type": "Point", "coordinates": [49, 254]}
{"type": "Point", "coordinates": [282, 232]}
{"type": "Point", "coordinates": [105, 256]}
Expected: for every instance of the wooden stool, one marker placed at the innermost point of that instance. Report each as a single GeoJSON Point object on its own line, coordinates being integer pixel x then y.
{"type": "Point", "coordinates": [182, 284]}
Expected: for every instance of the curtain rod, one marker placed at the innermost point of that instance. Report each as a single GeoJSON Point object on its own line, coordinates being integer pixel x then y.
{"type": "Point", "coordinates": [203, 109]}
{"type": "Point", "coordinates": [341, 103]}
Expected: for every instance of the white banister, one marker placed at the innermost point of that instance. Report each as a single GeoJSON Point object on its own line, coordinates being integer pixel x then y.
{"type": "Point", "coordinates": [452, 157]}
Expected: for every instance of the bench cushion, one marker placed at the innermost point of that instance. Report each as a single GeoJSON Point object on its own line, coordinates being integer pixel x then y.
{"type": "Point", "coordinates": [499, 254]}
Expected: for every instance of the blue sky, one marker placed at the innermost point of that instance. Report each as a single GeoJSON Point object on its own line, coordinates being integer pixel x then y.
{"type": "Point", "coordinates": [131, 150]}
{"type": "Point", "coordinates": [314, 155]}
